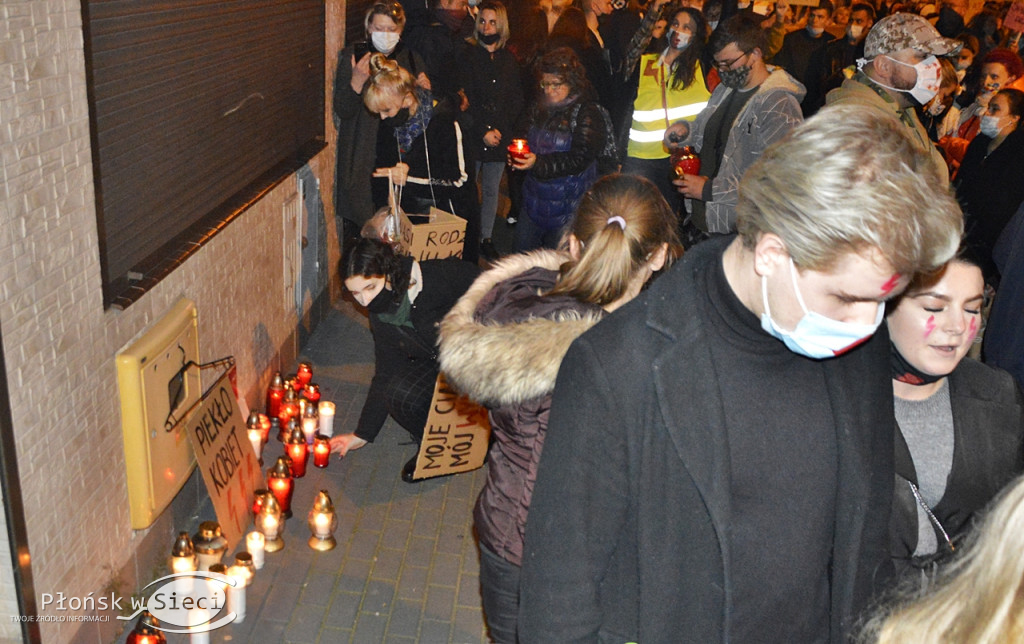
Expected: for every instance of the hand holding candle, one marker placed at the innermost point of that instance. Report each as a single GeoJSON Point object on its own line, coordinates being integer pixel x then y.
{"type": "Point", "coordinates": [519, 155]}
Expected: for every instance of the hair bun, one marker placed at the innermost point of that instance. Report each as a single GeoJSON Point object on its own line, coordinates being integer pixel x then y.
{"type": "Point", "coordinates": [379, 63]}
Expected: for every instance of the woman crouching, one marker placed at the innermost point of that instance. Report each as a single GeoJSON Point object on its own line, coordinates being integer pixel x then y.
{"type": "Point", "coordinates": [504, 340]}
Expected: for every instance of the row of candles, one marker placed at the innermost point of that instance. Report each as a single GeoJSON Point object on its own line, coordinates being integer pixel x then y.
{"type": "Point", "coordinates": [305, 424]}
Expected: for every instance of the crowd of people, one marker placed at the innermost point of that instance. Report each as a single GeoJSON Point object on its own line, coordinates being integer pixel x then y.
{"type": "Point", "coordinates": [755, 396]}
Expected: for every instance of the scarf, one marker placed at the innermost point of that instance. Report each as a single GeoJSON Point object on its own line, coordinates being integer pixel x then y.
{"type": "Point", "coordinates": [417, 123]}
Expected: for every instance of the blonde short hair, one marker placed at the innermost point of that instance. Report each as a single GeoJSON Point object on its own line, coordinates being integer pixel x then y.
{"type": "Point", "coordinates": [851, 179]}
{"type": "Point", "coordinates": [388, 79]}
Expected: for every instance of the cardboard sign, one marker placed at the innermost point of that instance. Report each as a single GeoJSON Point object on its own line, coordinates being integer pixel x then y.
{"type": "Point", "coordinates": [437, 235]}
{"type": "Point", "coordinates": [1015, 17]}
{"type": "Point", "coordinates": [456, 436]}
{"type": "Point", "coordinates": [230, 468]}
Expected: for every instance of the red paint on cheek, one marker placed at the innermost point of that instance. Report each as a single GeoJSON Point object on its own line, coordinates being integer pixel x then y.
{"type": "Point", "coordinates": [929, 326]}
{"type": "Point", "coordinates": [891, 284]}
{"type": "Point", "coordinates": [972, 329]}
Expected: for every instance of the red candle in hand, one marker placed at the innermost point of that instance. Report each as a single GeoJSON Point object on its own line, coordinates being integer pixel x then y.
{"type": "Point", "coordinates": [518, 148]}
{"type": "Point", "coordinates": [321, 451]}
{"type": "Point", "coordinates": [685, 161]}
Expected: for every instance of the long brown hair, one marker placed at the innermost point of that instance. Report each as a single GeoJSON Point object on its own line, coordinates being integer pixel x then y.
{"type": "Point", "coordinates": [612, 252]}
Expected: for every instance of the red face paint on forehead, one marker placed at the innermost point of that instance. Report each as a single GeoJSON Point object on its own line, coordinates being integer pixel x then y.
{"type": "Point", "coordinates": [891, 284]}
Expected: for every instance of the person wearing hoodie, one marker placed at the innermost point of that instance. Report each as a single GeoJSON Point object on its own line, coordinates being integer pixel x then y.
{"type": "Point", "coordinates": [754, 106]}
{"type": "Point", "coordinates": [503, 341]}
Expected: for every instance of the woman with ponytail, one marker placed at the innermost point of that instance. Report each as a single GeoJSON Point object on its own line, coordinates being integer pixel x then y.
{"type": "Point", "coordinates": [504, 340]}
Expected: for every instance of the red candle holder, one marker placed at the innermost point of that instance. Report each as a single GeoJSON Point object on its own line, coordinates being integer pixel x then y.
{"type": "Point", "coordinates": [281, 484]}
{"type": "Point", "coordinates": [685, 161]}
{"type": "Point", "coordinates": [298, 451]}
{"type": "Point", "coordinates": [146, 631]}
{"type": "Point", "coordinates": [275, 394]}
{"type": "Point", "coordinates": [259, 496]}
{"type": "Point", "coordinates": [321, 451]}
{"type": "Point", "coordinates": [518, 148]}
{"type": "Point", "coordinates": [311, 392]}
{"type": "Point", "coordinates": [289, 407]}
{"type": "Point", "coordinates": [265, 427]}
{"type": "Point", "coordinates": [304, 374]}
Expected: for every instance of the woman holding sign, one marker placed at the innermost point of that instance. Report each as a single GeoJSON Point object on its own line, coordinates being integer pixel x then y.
{"type": "Point", "coordinates": [405, 299]}
{"type": "Point", "coordinates": [503, 342]}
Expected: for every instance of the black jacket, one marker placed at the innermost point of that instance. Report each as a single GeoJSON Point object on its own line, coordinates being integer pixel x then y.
{"type": "Point", "coordinates": [627, 535]}
{"type": "Point", "coordinates": [394, 348]}
{"type": "Point", "coordinates": [988, 436]}
{"type": "Point", "coordinates": [357, 136]}
{"type": "Point", "coordinates": [492, 85]}
{"type": "Point", "coordinates": [990, 188]}
{"type": "Point", "coordinates": [438, 169]}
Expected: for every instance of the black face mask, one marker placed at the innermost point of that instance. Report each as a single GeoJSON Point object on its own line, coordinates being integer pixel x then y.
{"type": "Point", "coordinates": [903, 371]}
{"type": "Point", "coordinates": [489, 39]}
{"type": "Point", "coordinates": [735, 78]}
{"type": "Point", "coordinates": [383, 302]}
{"type": "Point", "coordinates": [399, 119]}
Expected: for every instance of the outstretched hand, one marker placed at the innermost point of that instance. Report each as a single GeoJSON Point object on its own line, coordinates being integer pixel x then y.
{"type": "Point", "coordinates": [344, 443]}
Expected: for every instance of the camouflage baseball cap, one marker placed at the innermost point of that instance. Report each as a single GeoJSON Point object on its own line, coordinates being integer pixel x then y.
{"type": "Point", "coordinates": [907, 31]}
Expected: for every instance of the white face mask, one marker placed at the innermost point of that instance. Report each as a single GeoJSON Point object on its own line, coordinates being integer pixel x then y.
{"type": "Point", "coordinates": [385, 41]}
{"type": "Point", "coordinates": [815, 31]}
{"type": "Point", "coordinates": [929, 74]}
{"type": "Point", "coordinates": [854, 32]}
{"type": "Point", "coordinates": [678, 39]}
{"type": "Point", "coordinates": [990, 126]}
{"type": "Point", "coordinates": [815, 335]}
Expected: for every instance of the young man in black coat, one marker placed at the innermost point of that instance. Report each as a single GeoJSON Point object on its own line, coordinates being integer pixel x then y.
{"type": "Point", "coordinates": [718, 463]}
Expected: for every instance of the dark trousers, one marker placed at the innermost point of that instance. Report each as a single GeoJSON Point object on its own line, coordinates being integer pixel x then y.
{"type": "Point", "coordinates": [499, 588]}
{"type": "Point", "coordinates": [409, 393]}
{"type": "Point", "coordinates": [659, 172]}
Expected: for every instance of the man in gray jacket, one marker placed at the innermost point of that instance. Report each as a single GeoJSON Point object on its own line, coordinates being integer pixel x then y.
{"type": "Point", "coordinates": [753, 107]}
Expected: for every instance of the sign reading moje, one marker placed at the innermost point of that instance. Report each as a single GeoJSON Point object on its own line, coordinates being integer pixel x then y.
{"type": "Point", "coordinates": [229, 466]}
{"type": "Point", "coordinates": [456, 435]}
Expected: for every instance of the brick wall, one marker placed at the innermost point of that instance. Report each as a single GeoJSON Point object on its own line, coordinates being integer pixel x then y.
{"type": "Point", "coordinates": [60, 343]}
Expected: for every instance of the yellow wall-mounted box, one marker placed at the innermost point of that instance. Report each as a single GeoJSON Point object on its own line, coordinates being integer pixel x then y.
{"type": "Point", "coordinates": [152, 380]}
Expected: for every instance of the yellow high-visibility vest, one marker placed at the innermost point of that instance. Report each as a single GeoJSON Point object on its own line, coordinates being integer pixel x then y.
{"type": "Point", "coordinates": [658, 105]}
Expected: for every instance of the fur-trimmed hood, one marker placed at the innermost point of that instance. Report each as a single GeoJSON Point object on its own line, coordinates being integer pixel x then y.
{"type": "Point", "coordinates": [500, 364]}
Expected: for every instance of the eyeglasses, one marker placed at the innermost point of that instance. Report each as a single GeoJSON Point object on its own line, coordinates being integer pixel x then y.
{"type": "Point", "coordinates": [727, 64]}
{"type": "Point", "coordinates": [552, 84]}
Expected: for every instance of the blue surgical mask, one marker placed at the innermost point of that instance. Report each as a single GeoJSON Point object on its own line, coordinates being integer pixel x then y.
{"type": "Point", "coordinates": [816, 336]}
{"type": "Point", "coordinates": [990, 126]}
{"type": "Point", "coordinates": [815, 31]}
